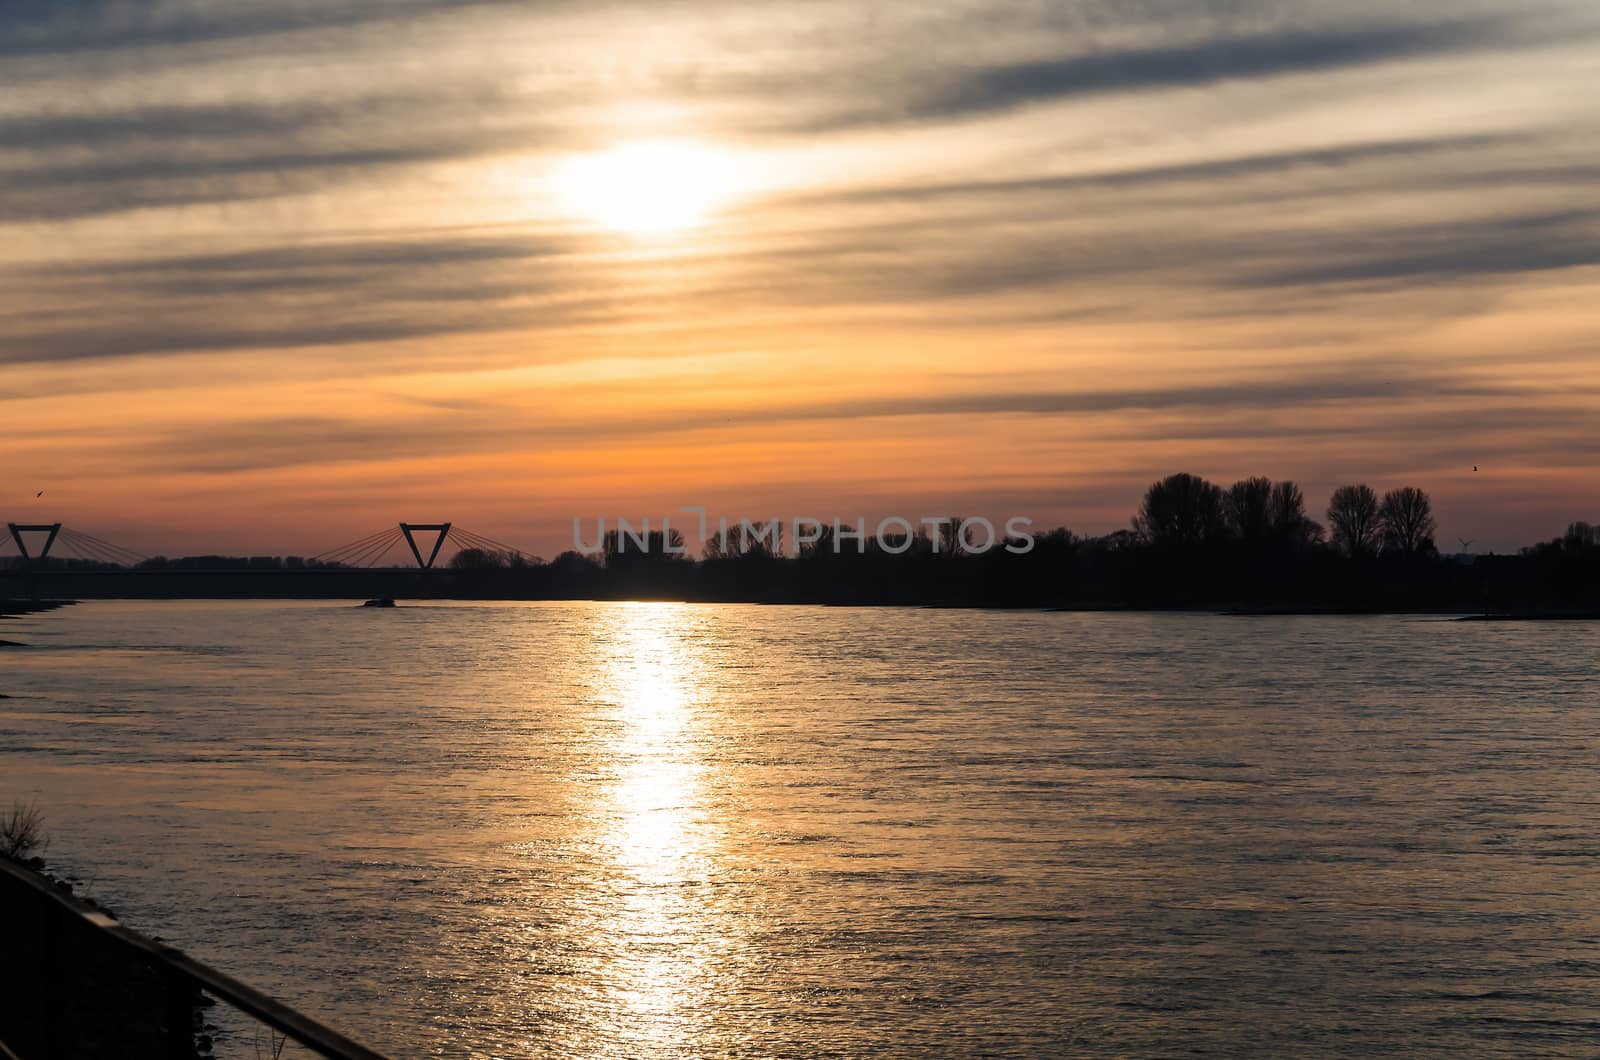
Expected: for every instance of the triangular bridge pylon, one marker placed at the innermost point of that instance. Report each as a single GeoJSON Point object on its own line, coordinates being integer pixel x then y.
{"type": "Point", "coordinates": [50, 530]}
{"type": "Point", "coordinates": [409, 530]}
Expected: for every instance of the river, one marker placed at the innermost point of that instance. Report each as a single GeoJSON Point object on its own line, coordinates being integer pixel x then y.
{"type": "Point", "coordinates": [667, 830]}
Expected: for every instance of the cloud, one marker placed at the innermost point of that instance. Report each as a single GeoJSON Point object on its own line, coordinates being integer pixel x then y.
{"type": "Point", "coordinates": [311, 266]}
{"type": "Point", "coordinates": [63, 164]}
{"type": "Point", "coordinates": [1424, 153]}
{"type": "Point", "coordinates": [1097, 266]}
{"type": "Point", "coordinates": [161, 126]}
{"type": "Point", "coordinates": [458, 427]}
{"type": "Point", "coordinates": [1458, 250]}
{"type": "Point", "coordinates": [77, 27]}
{"type": "Point", "coordinates": [996, 87]}
{"type": "Point", "coordinates": [276, 298]}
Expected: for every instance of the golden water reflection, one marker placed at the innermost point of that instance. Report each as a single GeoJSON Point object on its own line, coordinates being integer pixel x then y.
{"type": "Point", "coordinates": [656, 941]}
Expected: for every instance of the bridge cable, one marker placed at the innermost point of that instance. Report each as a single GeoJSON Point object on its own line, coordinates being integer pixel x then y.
{"type": "Point", "coordinates": [356, 546]}
{"type": "Point", "coordinates": [489, 544]}
{"type": "Point", "coordinates": [366, 556]}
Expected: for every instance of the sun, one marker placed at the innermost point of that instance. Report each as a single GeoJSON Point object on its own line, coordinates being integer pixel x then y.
{"type": "Point", "coordinates": [648, 187]}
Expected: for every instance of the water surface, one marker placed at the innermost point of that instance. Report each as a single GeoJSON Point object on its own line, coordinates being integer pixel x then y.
{"type": "Point", "coordinates": [623, 830]}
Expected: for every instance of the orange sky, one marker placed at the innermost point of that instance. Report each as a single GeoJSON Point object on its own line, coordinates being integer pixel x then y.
{"type": "Point", "coordinates": [277, 275]}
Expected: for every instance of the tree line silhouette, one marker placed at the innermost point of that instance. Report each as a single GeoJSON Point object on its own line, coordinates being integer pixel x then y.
{"type": "Point", "coordinates": [1192, 543]}
{"type": "Point", "coordinates": [1185, 511]}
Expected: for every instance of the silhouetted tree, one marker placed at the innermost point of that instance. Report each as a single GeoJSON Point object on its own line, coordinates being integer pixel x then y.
{"type": "Point", "coordinates": [1059, 540]}
{"type": "Point", "coordinates": [478, 559]}
{"type": "Point", "coordinates": [573, 562]}
{"type": "Point", "coordinates": [821, 546]}
{"type": "Point", "coordinates": [738, 540]}
{"type": "Point", "coordinates": [1353, 516]}
{"type": "Point", "coordinates": [1181, 510]}
{"type": "Point", "coordinates": [655, 543]}
{"type": "Point", "coordinates": [1248, 506]}
{"type": "Point", "coordinates": [573, 573]}
{"type": "Point", "coordinates": [766, 539]}
{"type": "Point", "coordinates": [1406, 521]}
{"type": "Point", "coordinates": [1581, 538]}
{"type": "Point", "coordinates": [1119, 540]}
{"type": "Point", "coordinates": [947, 536]}
{"type": "Point", "coordinates": [1286, 516]}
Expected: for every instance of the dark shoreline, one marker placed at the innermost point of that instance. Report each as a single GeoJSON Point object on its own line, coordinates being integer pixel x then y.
{"type": "Point", "coordinates": [18, 608]}
{"type": "Point", "coordinates": [15, 608]}
{"type": "Point", "coordinates": [99, 996]}
{"type": "Point", "coordinates": [10, 609]}
{"type": "Point", "coordinates": [1535, 616]}
{"type": "Point", "coordinates": [1059, 573]}
{"type": "Point", "coordinates": [83, 984]}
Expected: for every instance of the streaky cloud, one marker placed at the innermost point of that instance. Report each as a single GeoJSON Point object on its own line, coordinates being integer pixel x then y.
{"type": "Point", "coordinates": [278, 442]}
{"type": "Point", "coordinates": [1512, 243]}
{"type": "Point", "coordinates": [1004, 86]}
{"type": "Point", "coordinates": [1335, 157]}
{"type": "Point", "coordinates": [67, 165]}
{"type": "Point", "coordinates": [75, 27]}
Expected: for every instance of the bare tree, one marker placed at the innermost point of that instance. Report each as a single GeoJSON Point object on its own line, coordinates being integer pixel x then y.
{"type": "Point", "coordinates": [1581, 537]}
{"type": "Point", "coordinates": [1248, 506]}
{"type": "Point", "coordinates": [21, 831]}
{"type": "Point", "coordinates": [949, 540]}
{"type": "Point", "coordinates": [760, 538]}
{"type": "Point", "coordinates": [1060, 539]}
{"type": "Point", "coordinates": [1181, 509]}
{"type": "Point", "coordinates": [822, 545]}
{"type": "Point", "coordinates": [1353, 515]}
{"type": "Point", "coordinates": [1406, 521]}
{"type": "Point", "coordinates": [618, 544]}
{"type": "Point", "coordinates": [1286, 515]}
{"type": "Point", "coordinates": [479, 559]}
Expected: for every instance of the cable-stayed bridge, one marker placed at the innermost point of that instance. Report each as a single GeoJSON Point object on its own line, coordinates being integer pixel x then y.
{"type": "Point", "coordinates": [35, 543]}
{"type": "Point", "coordinates": [374, 549]}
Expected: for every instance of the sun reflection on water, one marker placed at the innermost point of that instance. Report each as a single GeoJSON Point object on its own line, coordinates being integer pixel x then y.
{"type": "Point", "coordinates": [655, 939]}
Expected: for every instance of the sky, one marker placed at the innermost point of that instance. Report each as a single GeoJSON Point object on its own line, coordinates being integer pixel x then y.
{"type": "Point", "coordinates": [280, 274]}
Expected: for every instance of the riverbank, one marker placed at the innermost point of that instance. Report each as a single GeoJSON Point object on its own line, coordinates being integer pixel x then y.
{"type": "Point", "coordinates": [72, 985]}
{"type": "Point", "coordinates": [10, 609]}
{"type": "Point", "coordinates": [77, 983]}
{"type": "Point", "coordinates": [1071, 576]}
{"type": "Point", "coordinates": [18, 608]}
{"type": "Point", "coordinates": [1535, 616]}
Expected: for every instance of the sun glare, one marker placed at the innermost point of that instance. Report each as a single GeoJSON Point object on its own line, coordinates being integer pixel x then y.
{"type": "Point", "coordinates": [648, 187]}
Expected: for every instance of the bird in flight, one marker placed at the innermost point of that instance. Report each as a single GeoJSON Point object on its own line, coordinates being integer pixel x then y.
{"type": "Point", "coordinates": [36, 496]}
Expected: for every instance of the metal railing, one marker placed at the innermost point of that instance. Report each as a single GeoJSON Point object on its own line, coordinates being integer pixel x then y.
{"type": "Point", "coordinates": [85, 964]}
